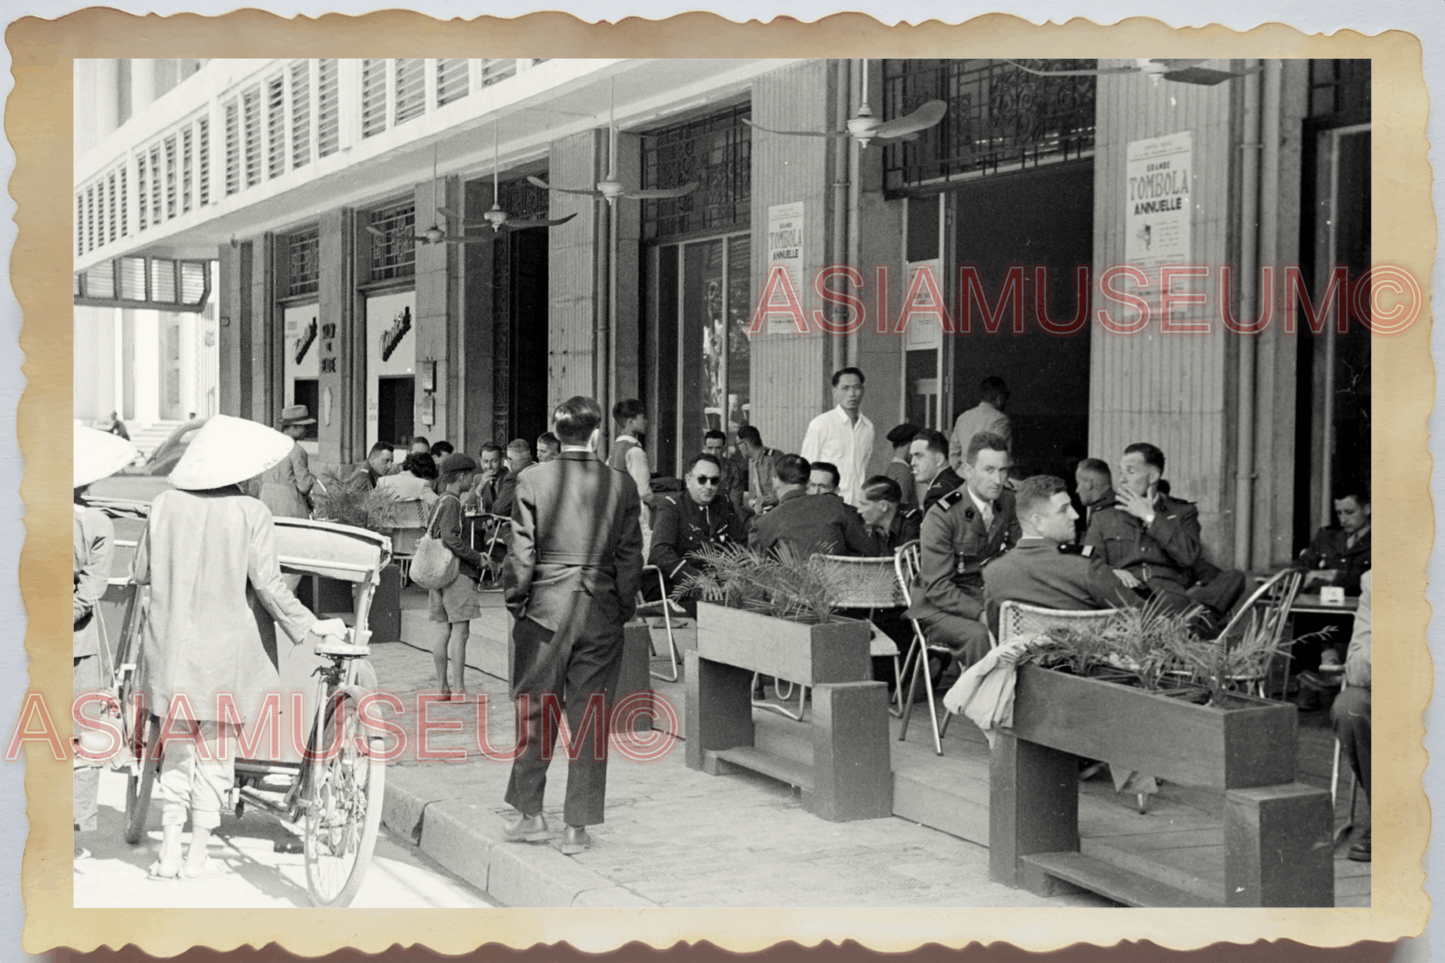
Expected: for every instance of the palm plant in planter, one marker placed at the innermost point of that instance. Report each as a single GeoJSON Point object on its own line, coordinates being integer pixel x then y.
{"type": "Point", "coordinates": [778, 614]}
{"type": "Point", "coordinates": [356, 505]}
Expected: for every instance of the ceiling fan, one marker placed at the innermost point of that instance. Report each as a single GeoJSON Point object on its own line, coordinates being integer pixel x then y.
{"type": "Point", "coordinates": [866, 128]}
{"type": "Point", "coordinates": [611, 188]}
{"type": "Point", "coordinates": [499, 219]}
{"type": "Point", "coordinates": [433, 234]}
{"type": "Point", "coordinates": [1179, 71]}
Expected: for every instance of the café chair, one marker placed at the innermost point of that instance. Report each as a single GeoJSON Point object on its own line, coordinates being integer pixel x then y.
{"type": "Point", "coordinates": [1268, 610]}
{"type": "Point", "coordinates": [906, 563]}
{"type": "Point", "coordinates": [872, 584]}
{"type": "Point", "coordinates": [664, 607]}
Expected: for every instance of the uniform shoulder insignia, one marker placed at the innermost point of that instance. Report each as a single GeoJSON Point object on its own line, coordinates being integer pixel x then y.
{"type": "Point", "coordinates": [948, 501]}
{"type": "Point", "coordinates": [1073, 548]}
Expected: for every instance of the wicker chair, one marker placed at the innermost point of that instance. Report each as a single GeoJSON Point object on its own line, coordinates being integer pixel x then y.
{"type": "Point", "coordinates": [1017, 618]}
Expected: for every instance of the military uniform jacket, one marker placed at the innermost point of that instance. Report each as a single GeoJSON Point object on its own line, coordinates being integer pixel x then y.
{"type": "Point", "coordinates": [814, 524]}
{"type": "Point", "coordinates": [1328, 549]}
{"type": "Point", "coordinates": [945, 482]}
{"type": "Point", "coordinates": [1040, 572]}
{"type": "Point", "coordinates": [954, 547]}
{"type": "Point", "coordinates": [905, 528]}
{"type": "Point", "coordinates": [681, 526]}
{"type": "Point", "coordinates": [576, 543]}
{"type": "Point", "coordinates": [1168, 549]}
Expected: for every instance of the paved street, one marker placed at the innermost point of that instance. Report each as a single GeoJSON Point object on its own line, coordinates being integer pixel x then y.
{"type": "Point", "coordinates": [114, 875]}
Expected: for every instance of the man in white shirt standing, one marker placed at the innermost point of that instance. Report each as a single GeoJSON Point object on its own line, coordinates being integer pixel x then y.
{"type": "Point", "coordinates": [986, 416]}
{"type": "Point", "coordinates": [843, 436]}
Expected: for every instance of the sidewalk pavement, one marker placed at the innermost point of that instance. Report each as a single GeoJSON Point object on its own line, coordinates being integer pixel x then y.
{"type": "Point", "coordinates": [673, 836]}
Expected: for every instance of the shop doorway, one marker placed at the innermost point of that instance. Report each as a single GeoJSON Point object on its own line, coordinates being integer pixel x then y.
{"type": "Point", "coordinates": [1035, 219]}
{"type": "Point", "coordinates": [395, 398]}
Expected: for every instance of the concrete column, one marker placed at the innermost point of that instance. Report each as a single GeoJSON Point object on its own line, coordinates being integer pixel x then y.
{"type": "Point", "coordinates": [142, 85]}
{"type": "Point", "coordinates": [106, 94]}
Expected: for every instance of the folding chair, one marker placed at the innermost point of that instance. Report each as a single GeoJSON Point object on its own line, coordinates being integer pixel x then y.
{"type": "Point", "coordinates": [906, 563]}
{"type": "Point", "coordinates": [1335, 788]}
{"type": "Point", "coordinates": [501, 527]}
{"type": "Point", "coordinates": [663, 607]}
{"type": "Point", "coordinates": [872, 584]}
{"type": "Point", "coordinates": [1276, 595]}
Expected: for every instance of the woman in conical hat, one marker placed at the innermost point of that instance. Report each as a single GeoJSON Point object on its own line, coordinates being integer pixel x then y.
{"type": "Point", "coordinates": [207, 548]}
{"type": "Point", "coordinates": [98, 455]}
{"type": "Point", "coordinates": [285, 485]}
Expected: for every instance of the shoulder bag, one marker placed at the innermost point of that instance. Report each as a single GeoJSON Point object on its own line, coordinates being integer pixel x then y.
{"type": "Point", "coordinates": [433, 566]}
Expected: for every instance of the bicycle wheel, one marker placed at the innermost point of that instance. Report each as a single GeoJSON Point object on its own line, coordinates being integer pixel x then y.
{"type": "Point", "coordinates": [141, 782]}
{"type": "Point", "coordinates": [343, 805]}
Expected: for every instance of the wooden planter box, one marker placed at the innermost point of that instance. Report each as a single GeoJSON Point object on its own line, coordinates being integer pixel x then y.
{"type": "Point", "coordinates": [1277, 832]}
{"type": "Point", "coordinates": [1251, 744]}
{"type": "Point", "coordinates": [807, 654]}
{"type": "Point", "coordinates": [850, 775]}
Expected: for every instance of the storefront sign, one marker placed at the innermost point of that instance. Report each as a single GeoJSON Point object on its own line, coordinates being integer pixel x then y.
{"type": "Point", "coordinates": [1158, 205]}
{"type": "Point", "coordinates": [785, 250]}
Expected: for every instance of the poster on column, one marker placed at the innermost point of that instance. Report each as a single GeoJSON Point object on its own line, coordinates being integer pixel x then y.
{"type": "Point", "coordinates": [1159, 202]}
{"type": "Point", "coordinates": [301, 337]}
{"type": "Point", "coordinates": [785, 250]}
{"type": "Point", "coordinates": [390, 361]}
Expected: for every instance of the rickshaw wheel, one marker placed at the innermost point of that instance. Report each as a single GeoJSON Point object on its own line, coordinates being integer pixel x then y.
{"type": "Point", "coordinates": [140, 782]}
{"type": "Point", "coordinates": [343, 810]}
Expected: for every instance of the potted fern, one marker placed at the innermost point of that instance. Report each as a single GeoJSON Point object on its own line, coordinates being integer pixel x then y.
{"type": "Point", "coordinates": [779, 614]}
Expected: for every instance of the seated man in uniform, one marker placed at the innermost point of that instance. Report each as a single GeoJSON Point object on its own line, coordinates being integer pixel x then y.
{"type": "Point", "coordinates": [1151, 541]}
{"type": "Point", "coordinates": [809, 523]}
{"type": "Point", "coordinates": [1351, 711]}
{"type": "Point", "coordinates": [961, 533]}
{"type": "Point", "coordinates": [689, 521]}
{"type": "Point", "coordinates": [882, 511]}
{"type": "Point", "coordinates": [1046, 568]}
{"type": "Point", "coordinates": [928, 454]}
{"type": "Point", "coordinates": [1340, 555]}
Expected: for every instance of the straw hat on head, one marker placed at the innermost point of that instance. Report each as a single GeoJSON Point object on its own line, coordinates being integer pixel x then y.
{"type": "Point", "coordinates": [99, 454]}
{"type": "Point", "coordinates": [296, 415]}
{"type": "Point", "coordinates": [228, 450]}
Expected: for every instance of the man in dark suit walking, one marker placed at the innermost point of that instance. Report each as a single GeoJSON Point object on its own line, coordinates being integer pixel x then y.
{"type": "Point", "coordinates": [571, 582]}
{"type": "Point", "coordinates": [962, 532]}
{"type": "Point", "coordinates": [1046, 568]}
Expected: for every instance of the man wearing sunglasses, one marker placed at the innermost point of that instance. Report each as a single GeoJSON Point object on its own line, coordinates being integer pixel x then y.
{"type": "Point", "coordinates": [692, 520]}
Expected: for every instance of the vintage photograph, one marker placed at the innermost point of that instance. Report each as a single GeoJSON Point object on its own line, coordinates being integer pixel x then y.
{"type": "Point", "coordinates": [860, 483]}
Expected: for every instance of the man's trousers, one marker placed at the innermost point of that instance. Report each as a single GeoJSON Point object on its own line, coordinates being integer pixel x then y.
{"type": "Point", "coordinates": [576, 668]}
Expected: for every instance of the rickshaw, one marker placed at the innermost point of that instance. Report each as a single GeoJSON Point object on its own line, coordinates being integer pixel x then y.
{"type": "Point", "coordinates": [334, 790]}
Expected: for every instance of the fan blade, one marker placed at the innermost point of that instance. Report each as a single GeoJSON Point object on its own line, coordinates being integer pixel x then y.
{"type": "Point", "coordinates": [797, 133]}
{"type": "Point", "coordinates": [537, 222]}
{"type": "Point", "coordinates": [1176, 64]}
{"type": "Point", "coordinates": [377, 231]}
{"type": "Point", "coordinates": [921, 119]}
{"type": "Point", "coordinates": [660, 193]}
{"type": "Point", "coordinates": [1133, 69]}
{"type": "Point", "coordinates": [448, 212]}
{"type": "Point", "coordinates": [538, 182]}
{"type": "Point", "coordinates": [470, 239]}
{"type": "Point", "coordinates": [1207, 77]}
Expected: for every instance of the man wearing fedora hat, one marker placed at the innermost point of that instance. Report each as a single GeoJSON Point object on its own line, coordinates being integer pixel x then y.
{"type": "Point", "coordinates": [285, 488]}
{"type": "Point", "coordinates": [208, 553]}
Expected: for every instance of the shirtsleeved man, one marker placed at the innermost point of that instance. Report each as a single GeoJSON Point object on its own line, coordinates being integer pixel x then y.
{"type": "Point", "coordinates": [571, 582]}
{"type": "Point", "coordinates": [962, 532]}
{"type": "Point", "coordinates": [843, 436]}
{"type": "Point", "coordinates": [1046, 568]}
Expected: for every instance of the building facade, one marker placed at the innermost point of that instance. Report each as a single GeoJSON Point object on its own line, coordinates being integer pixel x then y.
{"type": "Point", "coordinates": [337, 210]}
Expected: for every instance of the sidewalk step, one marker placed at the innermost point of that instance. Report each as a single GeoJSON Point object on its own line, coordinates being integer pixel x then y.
{"type": "Point", "coordinates": [786, 770]}
{"type": "Point", "coordinates": [1114, 882]}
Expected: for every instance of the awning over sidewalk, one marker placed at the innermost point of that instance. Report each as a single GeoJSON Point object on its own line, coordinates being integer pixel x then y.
{"type": "Point", "coordinates": [152, 283]}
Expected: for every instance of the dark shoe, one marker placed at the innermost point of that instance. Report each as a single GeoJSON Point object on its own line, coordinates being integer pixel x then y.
{"type": "Point", "coordinates": [575, 840]}
{"type": "Point", "coordinates": [1360, 851]}
{"type": "Point", "coordinates": [527, 829]}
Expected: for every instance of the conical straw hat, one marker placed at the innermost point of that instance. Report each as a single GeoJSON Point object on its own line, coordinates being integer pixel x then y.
{"type": "Point", "coordinates": [228, 450]}
{"type": "Point", "coordinates": [99, 454]}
